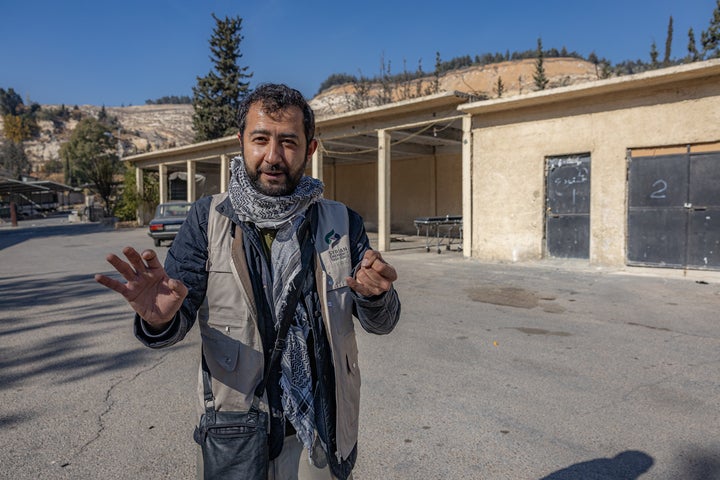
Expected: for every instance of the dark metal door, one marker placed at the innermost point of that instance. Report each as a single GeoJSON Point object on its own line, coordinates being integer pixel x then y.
{"type": "Point", "coordinates": [704, 211]}
{"type": "Point", "coordinates": [674, 211]}
{"type": "Point", "coordinates": [567, 219]}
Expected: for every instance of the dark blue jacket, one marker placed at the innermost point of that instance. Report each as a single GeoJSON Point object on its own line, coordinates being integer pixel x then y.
{"type": "Point", "coordinates": [186, 261]}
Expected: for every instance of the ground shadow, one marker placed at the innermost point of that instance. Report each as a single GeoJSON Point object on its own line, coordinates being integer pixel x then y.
{"type": "Point", "coordinates": [702, 464]}
{"type": "Point", "coordinates": [46, 330]}
{"type": "Point", "coordinates": [14, 235]}
{"type": "Point", "coordinates": [628, 465]}
{"type": "Point", "coordinates": [29, 290]}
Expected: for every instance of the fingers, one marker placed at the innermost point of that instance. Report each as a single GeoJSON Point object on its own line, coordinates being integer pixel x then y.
{"type": "Point", "coordinates": [365, 287]}
{"type": "Point", "coordinates": [112, 284]}
{"type": "Point", "coordinates": [140, 269]}
{"type": "Point", "coordinates": [122, 267]}
{"type": "Point", "coordinates": [135, 260]}
{"type": "Point", "coordinates": [374, 261]}
{"type": "Point", "coordinates": [140, 265]}
{"type": "Point", "coordinates": [151, 258]}
{"type": "Point", "coordinates": [374, 276]}
{"type": "Point", "coordinates": [178, 288]}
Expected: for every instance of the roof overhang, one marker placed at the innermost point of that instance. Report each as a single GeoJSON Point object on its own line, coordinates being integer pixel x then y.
{"type": "Point", "coordinates": [16, 187]}
{"type": "Point", "coordinates": [642, 81]}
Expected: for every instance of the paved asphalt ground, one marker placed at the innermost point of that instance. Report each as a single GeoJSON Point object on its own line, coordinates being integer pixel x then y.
{"type": "Point", "coordinates": [548, 370]}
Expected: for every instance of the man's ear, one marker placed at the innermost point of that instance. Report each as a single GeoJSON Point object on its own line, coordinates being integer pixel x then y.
{"type": "Point", "coordinates": [312, 146]}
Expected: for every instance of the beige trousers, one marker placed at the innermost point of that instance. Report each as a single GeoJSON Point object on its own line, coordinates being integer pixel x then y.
{"type": "Point", "coordinates": [292, 464]}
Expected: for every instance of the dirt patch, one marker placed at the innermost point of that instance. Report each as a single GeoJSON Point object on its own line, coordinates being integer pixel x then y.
{"type": "Point", "coordinates": [514, 297]}
{"type": "Point", "coordinates": [505, 296]}
{"type": "Point", "coordinates": [540, 331]}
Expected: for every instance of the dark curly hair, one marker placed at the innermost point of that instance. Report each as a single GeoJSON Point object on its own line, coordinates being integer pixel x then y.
{"type": "Point", "coordinates": [274, 98]}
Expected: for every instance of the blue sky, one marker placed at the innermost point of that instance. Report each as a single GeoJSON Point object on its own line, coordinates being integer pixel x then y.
{"type": "Point", "coordinates": [116, 53]}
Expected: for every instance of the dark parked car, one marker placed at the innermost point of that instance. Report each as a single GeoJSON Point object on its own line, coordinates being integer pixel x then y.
{"type": "Point", "coordinates": [168, 218]}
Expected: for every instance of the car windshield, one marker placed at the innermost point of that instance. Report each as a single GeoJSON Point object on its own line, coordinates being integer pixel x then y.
{"type": "Point", "coordinates": [179, 210]}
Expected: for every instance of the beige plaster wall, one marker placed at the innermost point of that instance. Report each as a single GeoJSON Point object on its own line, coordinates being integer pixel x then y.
{"type": "Point", "coordinates": [420, 187]}
{"type": "Point", "coordinates": [510, 148]}
{"type": "Point", "coordinates": [356, 186]}
{"type": "Point", "coordinates": [449, 185]}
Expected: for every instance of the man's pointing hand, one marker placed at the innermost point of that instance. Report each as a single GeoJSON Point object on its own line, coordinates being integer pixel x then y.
{"type": "Point", "coordinates": [375, 276]}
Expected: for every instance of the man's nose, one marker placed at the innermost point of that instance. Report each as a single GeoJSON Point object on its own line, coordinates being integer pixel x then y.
{"type": "Point", "coordinates": [273, 154]}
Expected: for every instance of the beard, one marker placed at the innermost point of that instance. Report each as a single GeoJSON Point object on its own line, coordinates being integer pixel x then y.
{"type": "Point", "coordinates": [284, 186]}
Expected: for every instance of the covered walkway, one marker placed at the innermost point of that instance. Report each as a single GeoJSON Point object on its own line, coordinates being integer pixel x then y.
{"type": "Point", "coordinates": [390, 163]}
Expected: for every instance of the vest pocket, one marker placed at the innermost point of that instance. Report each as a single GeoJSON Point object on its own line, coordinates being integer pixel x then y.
{"type": "Point", "coordinates": [221, 349]}
{"type": "Point", "coordinates": [236, 369]}
{"type": "Point", "coordinates": [225, 312]}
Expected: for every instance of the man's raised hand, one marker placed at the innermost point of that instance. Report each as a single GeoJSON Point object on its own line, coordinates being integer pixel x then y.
{"type": "Point", "coordinates": [148, 290]}
{"type": "Point", "coordinates": [374, 276]}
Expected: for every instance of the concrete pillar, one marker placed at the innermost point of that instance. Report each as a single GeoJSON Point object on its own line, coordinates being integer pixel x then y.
{"type": "Point", "coordinates": [190, 181]}
{"type": "Point", "coordinates": [139, 188]}
{"type": "Point", "coordinates": [224, 172]}
{"type": "Point", "coordinates": [317, 162]}
{"type": "Point", "coordinates": [163, 183]}
{"type": "Point", "coordinates": [467, 160]}
{"type": "Point", "coordinates": [383, 190]}
{"type": "Point", "coordinates": [330, 186]}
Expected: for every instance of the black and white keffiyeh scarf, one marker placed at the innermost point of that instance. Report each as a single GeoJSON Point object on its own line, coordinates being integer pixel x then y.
{"type": "Point", "coordinates": [285, 215]}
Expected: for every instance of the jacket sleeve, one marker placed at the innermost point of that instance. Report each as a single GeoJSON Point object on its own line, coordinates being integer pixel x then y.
{"type": "Point", "coordinates": [186, 262]}
{"type": "Point", "coordinates": [380, 313]}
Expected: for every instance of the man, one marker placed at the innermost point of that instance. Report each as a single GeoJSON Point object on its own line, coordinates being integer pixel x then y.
{"type": "Point", "coordinates": [230, 267]}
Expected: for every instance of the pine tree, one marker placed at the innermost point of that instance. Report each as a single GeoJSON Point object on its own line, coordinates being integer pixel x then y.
{"type": "Point", "coordinates": [654, 55]}
{"type": "Point", "coordinates": [668, 43]}
{"type": "Point", "coordinates": [11, 102]}
{"type": "Point", "coordinates": [217, 95]}
{"type": "Point", "coordinates": [710, 38]}
{"type": "Point", "coordinates": [541, 80]}
{"type": "Point", "coordinates": [693, 54]}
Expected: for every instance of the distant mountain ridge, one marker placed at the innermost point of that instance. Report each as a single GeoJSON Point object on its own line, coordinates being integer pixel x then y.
{"type": "Point", "coordinates": [479, 81]}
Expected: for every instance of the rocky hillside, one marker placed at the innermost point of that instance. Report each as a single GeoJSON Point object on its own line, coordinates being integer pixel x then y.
{"type": "Point", "coordinates": [143, 128]}
{"type": "Point", "coordinates": [155, 127]}
{"type": "Point", "coordinates": [480, 81]}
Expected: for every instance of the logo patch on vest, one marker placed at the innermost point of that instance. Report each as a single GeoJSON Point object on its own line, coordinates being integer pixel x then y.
{"type": "Point", "coordinates": [332, 238]}
{"type": "Point", "coordinates": [332, 242]}
{"type": "Point", "coordinates": [336, 258]}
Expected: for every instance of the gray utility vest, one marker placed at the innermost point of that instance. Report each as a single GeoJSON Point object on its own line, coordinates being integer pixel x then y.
{"type": "Point", "coordinates": [229, 324]}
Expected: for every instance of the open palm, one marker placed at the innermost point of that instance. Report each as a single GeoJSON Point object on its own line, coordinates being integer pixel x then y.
{"type": "Point", "coordinates": [149, 291]}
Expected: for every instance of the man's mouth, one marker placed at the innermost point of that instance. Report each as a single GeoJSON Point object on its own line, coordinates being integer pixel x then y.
{"type": "Point", "coordinates": [273, 174]}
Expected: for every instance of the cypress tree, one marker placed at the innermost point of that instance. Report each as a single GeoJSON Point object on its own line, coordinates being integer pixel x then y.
{"type": "Point", "coordinates": [693, 54]}
{"type": "Point", "coordinates": [539, 77]}
{"type": "Point", "coordinates": [668, 43]}
{"type": "Point", "coordinates": [499, 87]}
{"type": "Point", "coordinates": [710, 38]}
{"type": "Point", "coordinates": [217, 95]}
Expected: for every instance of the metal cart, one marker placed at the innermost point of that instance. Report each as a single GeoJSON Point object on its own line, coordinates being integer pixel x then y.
{"type": "Point", "coordinates": [443, 229]}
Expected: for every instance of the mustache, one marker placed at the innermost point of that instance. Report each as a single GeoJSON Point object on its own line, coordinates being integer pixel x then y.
{"type": "Point", "coordinates": [273, 169]}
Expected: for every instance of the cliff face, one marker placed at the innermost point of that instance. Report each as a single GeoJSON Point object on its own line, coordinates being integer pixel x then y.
{"type": "Point", "coordinates": [142, 129]}
{"type": "Point", "coordinates": [155, 127]}
{"type": "Point", "coordinates": [480, 81]}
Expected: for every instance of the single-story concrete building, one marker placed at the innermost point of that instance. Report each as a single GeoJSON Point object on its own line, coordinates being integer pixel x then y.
{"type": "Point", "coordinates": [619, 171]}
{"type": "Point", "coordinates": [623, 171]}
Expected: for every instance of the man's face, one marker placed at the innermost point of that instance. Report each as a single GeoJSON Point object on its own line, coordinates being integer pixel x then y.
{"type": "Point", "coordinates": [275, 150]}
